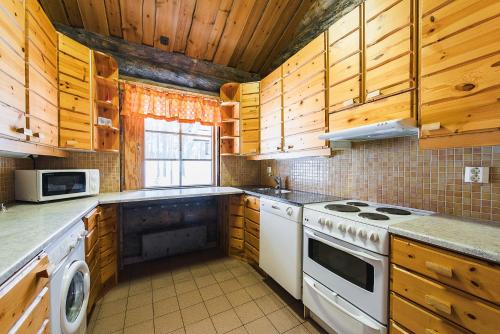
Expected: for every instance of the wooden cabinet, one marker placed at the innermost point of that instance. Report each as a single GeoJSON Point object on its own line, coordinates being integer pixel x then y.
{"type": "Point", "coordinates": [250, 118]}
{"type": "Point", "coordinates": [230, 114]}
{"type": "Point", "coordinates": [304, 99]}
{"type": "Point", "coordinates": [450, 293]}
{"type": "Point", "coordinates": [271, 112]}
{"type": "Point", "coordinates": [460, 73]}
{"type": "Point", "coordinates": [41, 77]}
{"type": "Point", "coordinates": [252, 228]}
{"type": "Point", "coordinates": [92, 255]}
{"type": "Point", "coordinates": [108, 243]}
{"type": "Point", "coordinates": [24, 299]}
{"type": "Point", "coordinates": [75, 112]}
{"type": "Point", "coordinates": [236, 226]}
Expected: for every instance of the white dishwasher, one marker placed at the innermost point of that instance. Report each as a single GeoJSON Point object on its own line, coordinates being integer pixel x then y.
{"type": "Point", "coordinates": [280, 254]}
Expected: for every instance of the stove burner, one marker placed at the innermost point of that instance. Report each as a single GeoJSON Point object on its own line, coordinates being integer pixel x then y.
{"type": "Point", "coordinates": [342, 208]}
{"type": "Point", "coordinates": [357, 203]}
{"type": "Point", "coordinates": [394, 211]}
{"type": "Point", "coordinates": [373, 216]}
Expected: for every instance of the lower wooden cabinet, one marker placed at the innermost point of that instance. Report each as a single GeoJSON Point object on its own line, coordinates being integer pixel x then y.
{"type": "Point", "coordinates": [438, 291]}
{"type": "Point", "coordinates": [252, 229]}
{"type": "Point", "coordinates": [236, 226]}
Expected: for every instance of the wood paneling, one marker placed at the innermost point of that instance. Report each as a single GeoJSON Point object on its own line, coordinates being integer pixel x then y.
{"type": "Point", "coordinates": [133, 152]}
{"type": "Point", "coordinates": [94, 17]}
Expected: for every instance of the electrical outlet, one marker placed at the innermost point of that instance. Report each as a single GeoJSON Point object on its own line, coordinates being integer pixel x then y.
{"type": "Point", "coordinates": [269, 171]}
{"type": "Point", "coordinates": [477, 174]}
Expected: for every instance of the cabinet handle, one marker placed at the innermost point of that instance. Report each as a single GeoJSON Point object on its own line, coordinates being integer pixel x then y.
{"type": "Point", "coordinates": [373, 94]}
{"type": "Point", "coordinates": [71, 142]}
{"type": "Point", "coordinates": [348, 103]}
{"type": "Point", "coordinates": [431, 126]}
{"type": "Point", "coordinates": [278, 148]}
{"type": "Point", "coordinates": [439, 269]}
{"type": "Point", "coordinates": [25, 131]}
{"type": "Point", "coordinates": [39, 135]}
{"type": "Point", "coordinates": [438, 304]}
{"type": "Point", "coordinates": [290, 146]}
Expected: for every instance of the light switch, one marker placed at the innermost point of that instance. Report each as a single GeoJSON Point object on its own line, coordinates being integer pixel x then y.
{"type": "Point", "coordinates": [477, 174]}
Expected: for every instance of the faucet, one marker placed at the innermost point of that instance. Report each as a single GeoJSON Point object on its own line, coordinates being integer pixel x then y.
{"type": "Point", "coordinates": [279, 182]}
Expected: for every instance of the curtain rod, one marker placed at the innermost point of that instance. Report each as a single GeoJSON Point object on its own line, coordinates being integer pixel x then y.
{"type": "Point", "coordinates": [165, 87]}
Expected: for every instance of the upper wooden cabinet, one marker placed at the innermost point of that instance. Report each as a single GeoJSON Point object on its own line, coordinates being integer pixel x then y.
{"type": "Point", "coordinates": [41, 77]}
{"type": "Point", "coordinates": [271, 112]}
{"type": "Point", "coordinates": [250, 118]}
{"type": "Point", "coordinates": [75, 112]}
{"type": "Point", "coordinates": [460, 71]}
{"type": "Point", "coordinates": [304, 99]}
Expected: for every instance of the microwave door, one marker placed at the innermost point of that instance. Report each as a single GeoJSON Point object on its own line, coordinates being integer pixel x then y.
{"type": "Point", "coordinates": [63, 183]}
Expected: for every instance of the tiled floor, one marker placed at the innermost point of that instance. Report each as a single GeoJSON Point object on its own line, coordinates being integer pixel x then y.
{"type": "Point", "coordinates": [210, 295]}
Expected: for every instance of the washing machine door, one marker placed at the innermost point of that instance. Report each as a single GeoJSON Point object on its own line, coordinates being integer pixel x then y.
{"type": "Point", "coordinates": [74, 297]}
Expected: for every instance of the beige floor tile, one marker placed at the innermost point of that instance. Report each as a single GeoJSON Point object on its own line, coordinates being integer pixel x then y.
{"type": "Point", "coordinates": [261, 326]}
{"type": "Point", "coordinates": [138, 315]}
{"type": "Point", "coordinates": [239, 330]}
{"type": "Point", "coordinates": [223, 275]}
{"type": "Point", "coordinates": [111, 308]}
{"type": "Point", "coordinates": [189, 299]}
{"type": "Point", "coordinates": [118, 292]}
{"type": "Point", "coordinates": [230, 285]}
{"type": "Point", "coordinates": [248, 312]}
{"type": "Point", "coordinates": [194, 313]}
{"type": "Point", "coordinates": [185, 286]}
{"type": "Point", "coordinates": [145, 298]}
{"type": "Point", "coordinates": [203, 281]}
{"type": "Point", "coordinates": [168, 323]}
{"type": "Point", "coordinates": [239, 271]}
{"type": "Point", "coordinates": [146, 327]}
{"type": "Point", "coordinates": [162, 280]}
{"type": "Point", "coordinates": [297, 310]}
{"type": "Point", "coordinates": [162, 293]}
{"type": "Point", "coordinates": [298, 330]}
{"type": "Point", "coordinates": [226, 321]}
{"type": "Point", "coordinates": [211, 291]}
{"type": "Point", "coordinates": [140, 286]}
{"type": "Point", "coordinates": [217, 305]}
{"type": "Point", "coordinates": [258, 290]}
{"type": "Point", "coordinates": [247, 280]}
{"type": "Point", "coordinates": [269, 303]}
{"type": "Point", "coordinates": [216, 267]}
{"type": "Point", "coordinates": [238, 297]}
{"type": "Point", "coordinates": [198, 271]}
{"type": "Point", "coordinates": [201, 327]}
{"type": "Point", "coordinates": [165, 306]}
{"type": "Point", "coordinates": [283, 320]}
{"type": "Point", "coordinates": [182, 275]}
{"type": "Point", "coordinates": [231, 262]}
{"type": "Point", "coordinates": [109, 324]}
{"type": "Point", "coordinates": [179, 331]}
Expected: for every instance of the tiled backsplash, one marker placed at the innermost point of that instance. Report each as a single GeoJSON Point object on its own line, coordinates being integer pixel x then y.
{"type": "Point", "coordinates": [7, 168]}
{"type": "Point", "coordinates": [396, 171]}
{"type": "Point", "coordinates": [237, 171]}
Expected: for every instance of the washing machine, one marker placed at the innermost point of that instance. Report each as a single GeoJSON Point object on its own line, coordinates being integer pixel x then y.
{"type": "Point", "coordinates": [69, 282]}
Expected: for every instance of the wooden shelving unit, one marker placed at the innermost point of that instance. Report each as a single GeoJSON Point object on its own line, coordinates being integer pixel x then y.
{"type": "Point", "coordinates": [106, 100]}
{"type": "Point", "coordinates": [230, 127]}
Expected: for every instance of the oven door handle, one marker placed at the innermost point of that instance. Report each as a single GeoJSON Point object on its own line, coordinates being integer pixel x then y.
{"type": "Point", "coordinates": [359, 318]}
{"type": "Point", "coordinates": [357, 254]}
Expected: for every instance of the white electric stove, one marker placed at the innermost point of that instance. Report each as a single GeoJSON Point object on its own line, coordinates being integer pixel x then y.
{"type": "Point", "coordinates": [346, 263]}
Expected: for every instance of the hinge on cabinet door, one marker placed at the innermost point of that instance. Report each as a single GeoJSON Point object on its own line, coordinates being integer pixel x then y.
{"type": "Point", "coordinates": [373, 94]}
{"type": "Point", "coordinates": [25, 131]}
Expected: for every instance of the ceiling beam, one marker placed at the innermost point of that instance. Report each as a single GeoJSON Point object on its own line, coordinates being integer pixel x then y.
{"type": "Point", "coordinates": [321, 15]}
{"type": "Point", "coordinates": [145, 62]}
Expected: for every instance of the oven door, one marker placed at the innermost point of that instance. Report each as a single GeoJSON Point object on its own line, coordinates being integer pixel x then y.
{"type": "Point", "coordinates": [63, 184]}
{"type": "Point", "coordinates": [356, 274]}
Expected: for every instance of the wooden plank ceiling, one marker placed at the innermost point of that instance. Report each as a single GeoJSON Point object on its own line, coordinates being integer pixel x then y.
{"type": "Point", "coordinates": [244, 34]}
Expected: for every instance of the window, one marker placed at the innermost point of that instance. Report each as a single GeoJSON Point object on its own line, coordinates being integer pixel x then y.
{"type": "Point", "coordinates": [178, 154]}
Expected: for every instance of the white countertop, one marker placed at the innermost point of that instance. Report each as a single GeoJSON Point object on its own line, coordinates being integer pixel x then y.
{"type": "Point", "coordinates": [476, 238]}
{"type": "Point", "coordinates": [27, 228]}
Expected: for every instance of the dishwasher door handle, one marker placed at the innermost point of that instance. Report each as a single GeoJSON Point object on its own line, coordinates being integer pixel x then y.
{"type": "Point", "coordinates": [275, 207]}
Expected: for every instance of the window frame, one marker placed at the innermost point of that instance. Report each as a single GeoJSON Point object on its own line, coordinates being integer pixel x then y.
{"type": "Point", "coordinates": [214, 160]}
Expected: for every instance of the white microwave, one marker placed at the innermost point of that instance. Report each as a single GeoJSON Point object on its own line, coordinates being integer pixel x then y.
{"type": "Point", "coordinates": [41, 185]}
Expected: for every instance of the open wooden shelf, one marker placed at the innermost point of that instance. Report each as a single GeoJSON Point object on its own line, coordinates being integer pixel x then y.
{"type": "Point", "coordinates": [230, 114]}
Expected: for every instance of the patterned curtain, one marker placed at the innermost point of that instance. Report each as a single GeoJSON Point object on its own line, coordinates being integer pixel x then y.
{"type": "Point", "coordinates": [161, 104]}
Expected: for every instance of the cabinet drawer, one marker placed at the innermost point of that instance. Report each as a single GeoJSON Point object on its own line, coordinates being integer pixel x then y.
{"type": "Point", "coordinates": [387, 22]}
{"type": "Point", "coordinates": [236, 244]}
{"type": "Point", "coordinates": [304, 141]}
{"type": "Point", "coordinates": [345, 47]}
{"type": "Point", "coordinates": [309, 87]}
{"type": "Point", "coordinates": [252, 228]}
{"type": "Point", "coordinates": [43, 133]}
{"type": "Point", "coordinates": [91, 239]}
{"type": "Point", "coordinates": [311, 68]}
{"type": "Point", "coordinates": [395, 107]}
{"type": "Point", "coordinates": [75, 139]}
{"type": "Point", "coordinates": [250, 147]}
{"type": "Point", "coordinates": [74, 86]}
{"type": "Point", "coordinates": [90, 220]}
{"type": "Point", "coordinates": [252, 202]}
{"type": "Point", "coordinates": [236, 221]}
{"type": "Point", "coordinates": [237, 210]}
{"type": "Point", "coordinates": [35, 315]}
{"type": "Point", "coordinates": [345, 69]}
{"type": "Point", "coordinates": [249, 112]}
{"type": "Point", "coordinates": [74, 49]}
{"type": "Point", "coordinates": [42, 109]}
{"type": "Point", "coordinates": [249, 136]}
{"type": "Point", "coordinates": [271, 145]}
{"type": "Point", "coordinates": [473, 276]}
{"type": "Point", "coordinates": [305, 55]}
{"type": "Point", "coordinates": [252, 214]}
{"type": "Point", "coordinates": [395, 328]}
{"type": "Point", "coordinates": [250, 99]}
{"type": "Point", "coordinates": [345, 25]}
{"type": "Point", "coordinates": [252, 240]}
{"type": "Point", "coordinates": [306, 106]}
{"type": "Point", "coordinates": [458, 307]}
{"type": "Point", "coordinates": [250, 88]}
{"type": "Point", "coordinates": [92, 256]}
{"type": "Point", "coordinates": [345, 93]}
{"type": "Point", "coordinates": [10, 120]}
{"type": "Point", "coordinates": [306, 123]}
{"type": "Point", "coordinates": [19, 292]}
{"type": "Point", "coordinates": [250, 124]}
{"type": "Point", "coordinates": [417, 320]}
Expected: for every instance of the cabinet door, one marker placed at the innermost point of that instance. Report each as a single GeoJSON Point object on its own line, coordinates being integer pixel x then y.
{"type": "Point", "coordinates": [271, 110]}
{"type": "Point", "coordinates": [460, 74]}
{"type": "Point", "coordinates": [249, 118]}
{"type": "Point", "coordinates": [390, 38]}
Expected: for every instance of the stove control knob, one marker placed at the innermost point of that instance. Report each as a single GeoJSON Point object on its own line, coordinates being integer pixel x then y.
{"type": "Point", "coordinates": [289, 211]}
{"type": "Point", "coordinates": [374, 237]}
{"type": "Point", "coordinates": [329, 223]}
{"type": "Point", "coordinates": [321, 221]}
{"type": "Point", "coordinates": [362, 234]}
{"type": "Point", "coordinates": [342, 227]}
{"type": "Point", "coordinates": [352, 230]}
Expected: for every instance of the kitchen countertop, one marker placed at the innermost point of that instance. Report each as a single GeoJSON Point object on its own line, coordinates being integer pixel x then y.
{"type": "Point", "coordinates": [476, 238]}
{"type": "Point", "coordinates": [27, 228]}
{"type": "Point", "coordinates": [293, 197]}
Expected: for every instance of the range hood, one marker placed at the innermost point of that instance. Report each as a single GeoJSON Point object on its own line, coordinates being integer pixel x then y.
{"type": "Point", "coordinates": [388, 129]}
